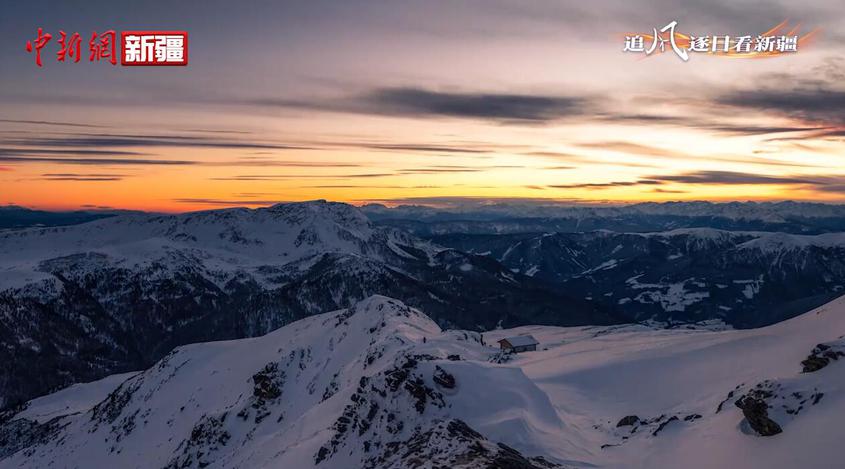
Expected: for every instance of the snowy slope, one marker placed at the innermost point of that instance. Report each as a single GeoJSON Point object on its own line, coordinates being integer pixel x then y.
{"type": "Point", "coordinates": [225, 240]}
{"type": "Point", "coordinates": [597, 376]}
{"type": "Point", "coordinates": [380, 385]}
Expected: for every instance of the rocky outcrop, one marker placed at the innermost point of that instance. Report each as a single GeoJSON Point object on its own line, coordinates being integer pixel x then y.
{"type": "Point", "coordinates": [663, 425]}
{"type": "Point", "coordinates": [267, 383]}
{"type": "Point", "coordinates": [20, 434]}
{"type": "Point", "coordinates": [823, 354]}
{"type": "Point", "coordinates": [628, 421]}
{"type": "Point", "coordinates": [266, 389]}
{"type": "Point", "coordinates": [453, 443]}
{"type": "Point", "coordinates": [207, 437]}
{"type": "Point", "coordinates": [443, 378]}
{"type": "Point", "coordinates": [756, 412]}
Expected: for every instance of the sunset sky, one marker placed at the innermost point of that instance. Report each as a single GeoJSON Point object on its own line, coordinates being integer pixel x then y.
{"type": "Point", "coordinates": [418, 101]}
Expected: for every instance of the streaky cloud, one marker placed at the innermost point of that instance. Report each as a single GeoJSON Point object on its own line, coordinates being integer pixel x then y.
{"type": "Point", "coordinates": [95, 161]}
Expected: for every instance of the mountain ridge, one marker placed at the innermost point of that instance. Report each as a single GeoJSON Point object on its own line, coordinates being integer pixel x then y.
{"type": "Point", "coordinates": [380, 385]}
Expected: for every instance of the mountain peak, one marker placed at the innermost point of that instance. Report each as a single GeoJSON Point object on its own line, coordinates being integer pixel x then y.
{"type": "Point", "coordinates": [337, 212]}
{"type": "Point", "coordinates": [386, 312]}
{"type": "Point", "coordinates": [315, 202]}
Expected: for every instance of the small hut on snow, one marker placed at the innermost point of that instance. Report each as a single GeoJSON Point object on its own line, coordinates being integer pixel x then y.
{"type": "Point", "coordinates": [520, 343]}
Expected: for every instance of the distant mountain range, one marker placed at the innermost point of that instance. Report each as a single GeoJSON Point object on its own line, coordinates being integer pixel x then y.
{"type": "Point", "coordinates": [747, 264]}
{"type": "Point", "coordinates": [527, 217]}
{"type": "Point", "coordinates": [12, 216]}
{"type": "Point", "coordinates": [539, 217]}
{"type": "Point", "coordinates": [746, 279]}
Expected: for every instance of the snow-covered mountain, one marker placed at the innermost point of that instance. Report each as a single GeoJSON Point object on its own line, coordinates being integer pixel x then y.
{"type": "Point", "coordinates": [80, 302]}
{"type": "Point", "coordinates": [380, 385]}
{"type": "Point", "coordinates": [776, 212]}
{"type": "Point", "coordinates": [747, 279]}
{"type": "Point", "coordinates": [533, 216]}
